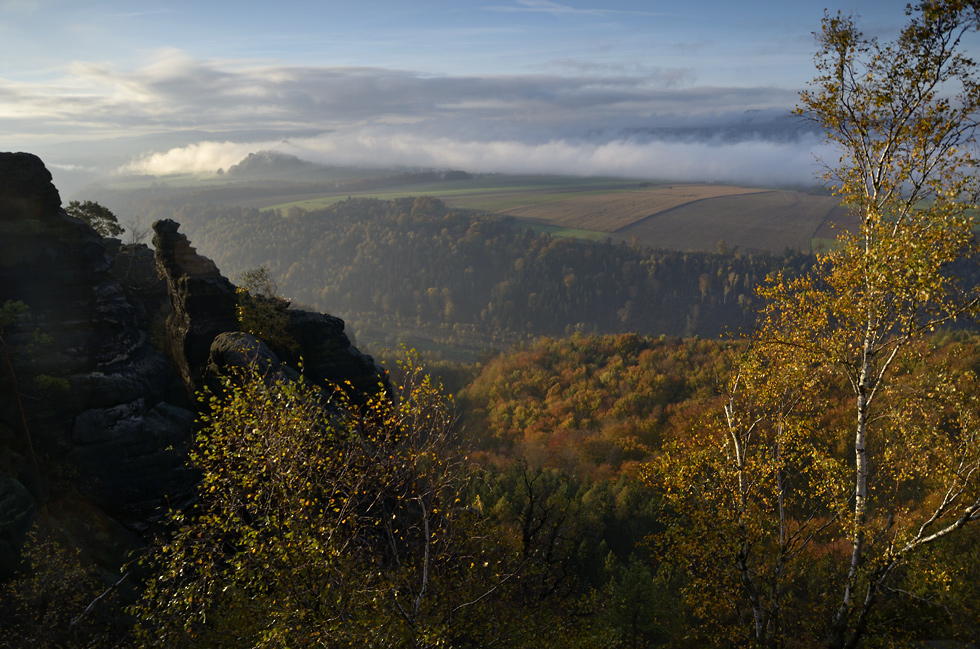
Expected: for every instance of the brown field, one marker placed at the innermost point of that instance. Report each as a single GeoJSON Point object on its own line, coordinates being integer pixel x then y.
{"type": "Point", "coordinates": [839, 219]}
{"type": "Point", "coordinates": [679, 216]}
{"type": "Point", "coordinates": [615, 211]}
{"type": "Point", "coordinates": [770, 220]}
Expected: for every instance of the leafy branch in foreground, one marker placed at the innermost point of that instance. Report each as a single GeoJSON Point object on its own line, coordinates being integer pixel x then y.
{"type": "Point", "coordinates": [319, 523]}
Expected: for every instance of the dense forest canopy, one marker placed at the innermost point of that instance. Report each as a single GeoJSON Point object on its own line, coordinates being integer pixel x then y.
{"type": "Point", "coordinates": [470, 278]}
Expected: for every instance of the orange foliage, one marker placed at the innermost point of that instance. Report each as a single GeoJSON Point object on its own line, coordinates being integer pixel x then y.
{"type": "Point", "coordinates": [591, 403]}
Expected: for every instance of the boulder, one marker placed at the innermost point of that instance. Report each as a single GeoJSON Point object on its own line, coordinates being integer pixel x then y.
{"type": "Point", "coordinates": [238, 351]}
{"type": "Point", "coordinates": [327, 355]}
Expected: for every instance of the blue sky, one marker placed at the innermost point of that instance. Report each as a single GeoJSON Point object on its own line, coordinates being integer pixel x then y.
{"type": "Point", "coordinates": [566, 86]}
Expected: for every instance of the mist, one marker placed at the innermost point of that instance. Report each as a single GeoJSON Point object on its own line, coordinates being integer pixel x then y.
{"type": "Point", "coordinates": [753, 161]}
{"type": "Point", "coordinates": [181, 115]}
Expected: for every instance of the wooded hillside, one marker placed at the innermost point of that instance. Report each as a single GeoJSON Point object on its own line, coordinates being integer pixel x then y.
{"type": "Point", "coordinates": [469, 278]}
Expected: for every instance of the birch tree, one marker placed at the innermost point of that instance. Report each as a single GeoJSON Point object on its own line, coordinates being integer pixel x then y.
{"type": "Point", "coordinates": [317, 523]}
{"type": "Point", "coordinates": [802, 519]}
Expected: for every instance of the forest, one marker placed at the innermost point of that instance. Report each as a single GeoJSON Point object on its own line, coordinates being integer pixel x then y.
{"type": "Point", "coordinates": [544, 499]}
{"type": "Point", "coordinates": [471, 278]}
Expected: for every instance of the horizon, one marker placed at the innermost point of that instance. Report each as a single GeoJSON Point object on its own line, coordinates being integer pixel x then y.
{"type": "Point", "coordinates": [629, 89]}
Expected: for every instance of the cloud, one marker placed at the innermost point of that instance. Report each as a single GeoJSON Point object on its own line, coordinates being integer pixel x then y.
{"type": "Point", "coordinates": [753, 161]}
{"type": "Point", "coordinates": [175, 91]}
{"type": "Point", "coordinates": [640, 121]}
{"type": "Point", "coordinates": [558, 9]}
{"type": "Point", "coordinates": [663, 77]}
{"type": "Point", "coordinates": [150, 12]}
{"type": "Point", "coordinates": [201, 157]}
{"type": "Point", "coordinates": [71, 167]}
{"type": "Point", "coordinates": [546, 6]}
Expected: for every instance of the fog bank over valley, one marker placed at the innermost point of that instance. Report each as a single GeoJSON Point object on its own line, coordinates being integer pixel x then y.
{"type": "Point", "coordinates": [751, 161]}
{"type": "Point", "coordinates": [178, 115]}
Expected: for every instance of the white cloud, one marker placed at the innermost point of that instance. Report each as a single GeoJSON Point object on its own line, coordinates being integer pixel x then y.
{"type": "Point", "coordinates": [71, 167]}
{"type": "Point", "coordinates": [203, 157]}
{"type": "Point", "coordinates": [558, 9]}
{"type": "Point", "coordinates": [176, 91]}
{"type": "Point", "coordinates": [547, 6]}
{"type": "Point", "coordinates": [748, 161]}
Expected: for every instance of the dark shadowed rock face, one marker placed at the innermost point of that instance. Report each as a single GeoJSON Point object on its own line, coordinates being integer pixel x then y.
{"type": "Point", "coordinates": [104, 440]}
{"type": "Point", "coordinates": [204, 311]}
{"type": "Point", "coordinates": [202, 300]}
{"type": "Point", "coordinates": [328, 356]}
{"type": "Point", "coordinates": [26, 191]}
{"type": "Point", "coordinates": [58, 266]}
{"type": "Point", "coordinates": [117, 434]}
{"type": "Point", "coordinates": [234, 351]}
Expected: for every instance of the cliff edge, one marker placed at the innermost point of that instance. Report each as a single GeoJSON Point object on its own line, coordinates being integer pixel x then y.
{"type": "Point", "coordinates": [98, 370]}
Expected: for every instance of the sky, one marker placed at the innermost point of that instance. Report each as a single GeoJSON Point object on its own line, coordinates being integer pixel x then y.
{"type": "Point", "coordinates": [696, 90]}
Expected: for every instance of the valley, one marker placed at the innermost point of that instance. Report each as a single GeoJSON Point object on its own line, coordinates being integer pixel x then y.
{"type": "Point", "coordinates": [656, 214]}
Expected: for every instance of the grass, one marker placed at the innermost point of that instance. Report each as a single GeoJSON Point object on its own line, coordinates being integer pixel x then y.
{"type": "Point", "coordinates": [311, 205]}
{"type": "Point", "coordinates": [488, 193]}
{"type": "Point", "coordinates": [570, 233]}
{"type": "Point", "coordinates": [513, 204]}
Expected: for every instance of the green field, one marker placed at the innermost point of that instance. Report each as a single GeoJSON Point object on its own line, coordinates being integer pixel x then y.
{"type": "Point", "coordinates": [569, 233]}
{"type": "Point", "coordinates": [491, 193]}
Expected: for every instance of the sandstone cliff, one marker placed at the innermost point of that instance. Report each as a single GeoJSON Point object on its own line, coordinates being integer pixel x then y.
{"type": "Point", "coordinates": [95, 412]}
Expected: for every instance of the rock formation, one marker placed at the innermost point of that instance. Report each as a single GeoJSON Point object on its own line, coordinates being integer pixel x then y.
{"type": "Point", "coordinates": [87, 410]}
{"type": "Point", "coordinates": [204, 306]}
{"type": "Point", "coordinates": [95, 419]}
{"type": "Point", "coordinates": [202, 302]}
{"type": "Point", "coordinates": [327, 355]}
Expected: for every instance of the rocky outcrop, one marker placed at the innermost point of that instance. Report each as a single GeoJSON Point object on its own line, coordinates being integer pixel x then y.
{"type": "Point", "coordinates": [95, 419]}
{"type": "Point", "coordinates": [327, 355]}
{"type": "Point", "coordinates": [204, 311]}
{"type": "Point", "coordinates": [202, 300]}
{"type": "Point", "coordinates": [98, 399]}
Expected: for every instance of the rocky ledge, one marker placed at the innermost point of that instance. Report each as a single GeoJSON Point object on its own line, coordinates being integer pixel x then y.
{"type": "Point", "coordinates": [96, 415]}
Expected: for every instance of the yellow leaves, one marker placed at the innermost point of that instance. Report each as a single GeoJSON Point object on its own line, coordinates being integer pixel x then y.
{"type": "Point", "coordinates": [292, 492]}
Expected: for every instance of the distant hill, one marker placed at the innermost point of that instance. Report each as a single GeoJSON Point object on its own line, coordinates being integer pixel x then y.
{"type": "Point", "coordinates": [271, 164]}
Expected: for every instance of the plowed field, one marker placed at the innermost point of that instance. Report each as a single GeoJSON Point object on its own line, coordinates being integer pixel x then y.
{"type": "Point", "coordinates": [615, 211]}
{"type": "Point", "coordinates": [773, 220]}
